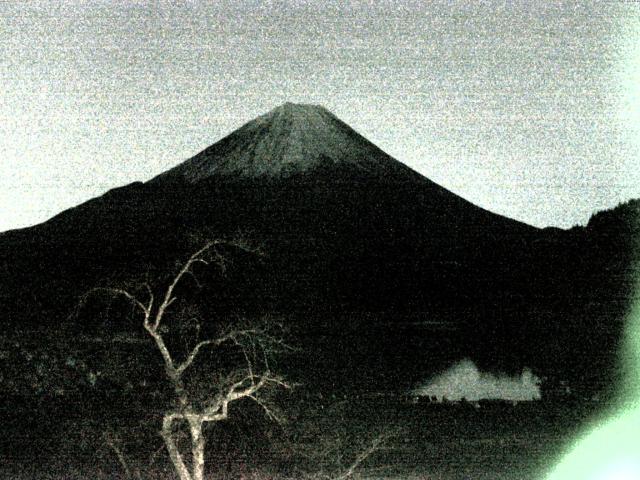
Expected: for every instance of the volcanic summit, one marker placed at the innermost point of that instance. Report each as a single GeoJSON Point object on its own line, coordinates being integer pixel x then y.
{"type": "Point", "coordinates": [292, 138]}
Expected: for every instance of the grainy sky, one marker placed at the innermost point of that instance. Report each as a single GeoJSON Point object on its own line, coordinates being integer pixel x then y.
{"type": "Point", "coordinates": [529, 109]}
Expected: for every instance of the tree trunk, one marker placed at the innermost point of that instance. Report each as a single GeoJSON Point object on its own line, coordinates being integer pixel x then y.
{"type": "Point", "coordinates": [174, 453]}
{"type": "Point", "coordinates": [197, 448]}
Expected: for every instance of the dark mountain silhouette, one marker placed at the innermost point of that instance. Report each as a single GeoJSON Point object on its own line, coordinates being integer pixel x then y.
{"type": "Point", "coordinates": [383, 277]}
{"type": "Point", "coordinates": [383, 274]}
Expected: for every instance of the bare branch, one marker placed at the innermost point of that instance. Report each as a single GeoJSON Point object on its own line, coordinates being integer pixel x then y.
{"type": "Point", "coordinates": [145, 309]}
{"type": "Point", "coordinates": [216, 342]}
{"type": "Point", "coordinates": [112, 442]}
{"type": "Point", "coordinates": [168, 297]}
{"type": "Point", "coordinates": [154, 455]}
{"type": "Point", "coordinates": [151, 297]}
{"type": "Point", "coordinates": [362, 456]}
{"type": "Point", "coordinates": [115, 292]}
{"type": "Point", "coordinates": [244, 388]}
{"type": "Point", "coordinates": [193, 354]}
{"type": "Point", "coordinates": [196, 257]}
{"type": "Point", "coordinates": [268, 410]}
{"type": "Point", "coordinates": [280, 381]}
{"type": "Point", "coordinates": [240, 240]}
{"type": "Point", "coordinates": [237, 391]}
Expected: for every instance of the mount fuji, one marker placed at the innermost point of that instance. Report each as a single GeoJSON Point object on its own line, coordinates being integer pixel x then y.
{"type": "Point", "coordinates": [377, 268]}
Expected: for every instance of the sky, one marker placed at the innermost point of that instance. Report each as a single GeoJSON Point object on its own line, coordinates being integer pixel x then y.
{"type": "Point", "coordinates": [528, 109]}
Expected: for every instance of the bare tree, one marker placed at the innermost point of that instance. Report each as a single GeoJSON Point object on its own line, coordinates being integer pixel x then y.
{"type": "Point", "coordinates": [328, 443]}
{"type": "Point", "coordinates": [253, 342]}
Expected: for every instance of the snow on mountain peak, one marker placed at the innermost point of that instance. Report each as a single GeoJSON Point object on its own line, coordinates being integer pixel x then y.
{"type": "Point", "coordinates": [291, 138]}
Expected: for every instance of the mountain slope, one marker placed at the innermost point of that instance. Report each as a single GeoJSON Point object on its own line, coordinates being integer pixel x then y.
{"type": "Point", "coordinates": [356, 242]}
{"type": "Point", "coordinates": [290, 139]}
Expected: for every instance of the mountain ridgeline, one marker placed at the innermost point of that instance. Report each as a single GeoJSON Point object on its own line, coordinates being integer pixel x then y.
{"type": "Point", "coordinates": [382, 274]}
